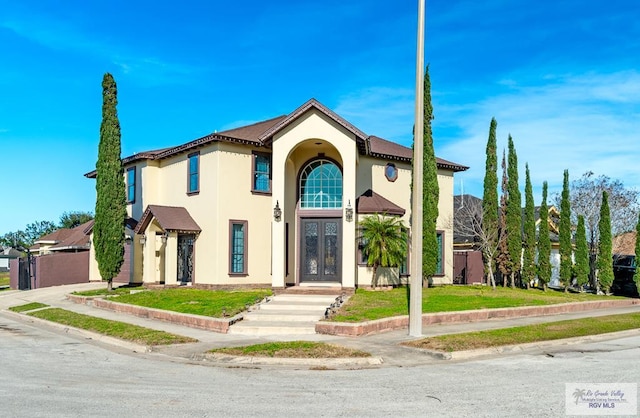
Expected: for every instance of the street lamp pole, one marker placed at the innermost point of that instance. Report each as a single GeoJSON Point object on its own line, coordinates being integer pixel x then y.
{"type": "Point", "coordinates": [415, 298]}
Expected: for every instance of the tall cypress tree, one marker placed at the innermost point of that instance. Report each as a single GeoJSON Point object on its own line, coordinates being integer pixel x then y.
{"type": "Point", "coordinates": [430, 190]}
{"type": "Point", "coordinates": [108, 230]}
{"type": "Point", "coordinates": [503, 259]}
{"type": "Point", "coordinates": [528, 264]}
{"type": "Point", "coordinates": [544, 242]}
{"type": "Point", "coordinates": [514, 212]}
{"type": "Point", "coordinates": [582, 254]}
{"type": "Point", "coordinates": [605, 262]}
{"type": "Point", "coordinates": [565, 233]}
{"type": "Point", "coordinates": [490, 202]}
{"type": "Point", "coordinates": [636, 275]}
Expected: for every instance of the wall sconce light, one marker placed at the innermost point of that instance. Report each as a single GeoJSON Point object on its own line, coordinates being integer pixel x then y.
{"type": "Point", "coordinates": [143, 239]}
{"type": "Point", "coordinates": [164, 237]}
{"type": "Point", "coordinates": [348, 212]}
{"type": "Point", "coordinates": [277, 212]}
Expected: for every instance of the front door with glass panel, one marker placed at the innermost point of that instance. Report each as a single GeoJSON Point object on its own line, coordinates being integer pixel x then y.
{"type": "Point", "coordinates": [320, 250]}
{"type": "Point", "coordinates": [185, 258]}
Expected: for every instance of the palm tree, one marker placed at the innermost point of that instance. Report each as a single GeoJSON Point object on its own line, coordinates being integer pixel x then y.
{"type": "Point", "coordinates": [384, 242]}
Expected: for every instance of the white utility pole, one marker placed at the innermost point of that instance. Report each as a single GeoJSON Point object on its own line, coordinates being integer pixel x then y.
{"type": "Point", "coordinates": [415, 299]}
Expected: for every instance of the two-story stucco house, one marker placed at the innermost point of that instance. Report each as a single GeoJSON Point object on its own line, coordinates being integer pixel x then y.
{"type": "Point", "coordinates": [275, 203]}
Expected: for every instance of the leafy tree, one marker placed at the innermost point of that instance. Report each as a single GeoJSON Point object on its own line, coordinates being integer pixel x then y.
{"type": "Point", "coordinates": [430, 191]}
{"type": "Point", "coordinates": [544, 242]}
{"type": "Point", "coordinates": [27, 237]}
{"type": "Point", "coordinates": [489, 218]}
{"type": "Point", "coordinates": [503, 259]}
{"type": "Point", "coordinates": [529, 264]}
{"type": "Point", "coordinates": [605, 262]}
{"type": "Point", "coordinates": [35, 230]}
{"type": "Point", "coordinates": [582, 254]}
{"type": "Point", "coordinates": [636, 275]}
{"type": "Point", "coordinates": [73, 219]}
{"type": "Point", "coordinates": [624, 206]}
{"type": "Point", "coordinates": [565, 233]}
{"type": "Point", "coordinates": [384, 241]}
{"type": "Point", "coordinates": [108, 231]}
{"type": "Point", "coordinates": [514, 212]}
{"type": "Point", "coordinates": [468, 222]}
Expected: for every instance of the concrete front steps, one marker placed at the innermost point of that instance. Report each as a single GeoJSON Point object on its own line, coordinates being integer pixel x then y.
{"type": "Point", "coordinates": [285, 314]}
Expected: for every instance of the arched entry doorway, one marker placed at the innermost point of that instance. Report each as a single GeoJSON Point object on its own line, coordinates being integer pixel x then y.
{"type": "Point", "coordinates": [320, 190]}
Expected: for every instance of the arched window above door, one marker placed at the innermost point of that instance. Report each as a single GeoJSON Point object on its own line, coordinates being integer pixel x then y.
{"type": "Point", "coordinates": [321, 185]}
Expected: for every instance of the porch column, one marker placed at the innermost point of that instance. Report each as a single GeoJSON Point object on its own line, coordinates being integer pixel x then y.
{"type": "Point", "coordinates": [349, 265]}
{"type": "Point", "coordinates": [171, 259]}
{"type": "Point", "coordinates": [149, 257]}
{"type": "Point", "coordinates": [278, 227]}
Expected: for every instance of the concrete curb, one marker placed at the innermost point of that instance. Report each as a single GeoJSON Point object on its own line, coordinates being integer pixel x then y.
{"type": "Point", "coordinates": [358, 329]}
{"type": "Point", "coordinates": [287, 361]}
{"type": "Point", "coordinates": [137, 348]}
{"type": "Point", "coordinates": [188, 320]}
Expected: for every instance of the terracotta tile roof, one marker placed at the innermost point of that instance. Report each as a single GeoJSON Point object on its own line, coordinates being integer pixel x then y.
{"type": "Point", "coordinates": [383, 148]}
{"type": "Point", "coordinates": [372, 202]}
{"type": "Point", "coordinates": [170, 218]}
{"type": "Point", "coordinates": [261, 134]}
{"type": "Point", "coordinates": [252, 132]}
{"type": "Point", "coordinates": [247, 135]}
{"type": "Point", "coordinates": [267, 136]}
{"type": "Point", "coordinates": [139, 156]}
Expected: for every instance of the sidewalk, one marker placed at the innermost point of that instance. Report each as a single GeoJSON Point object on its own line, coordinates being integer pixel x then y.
{"type": "Point", "coordinates": [384, 346]}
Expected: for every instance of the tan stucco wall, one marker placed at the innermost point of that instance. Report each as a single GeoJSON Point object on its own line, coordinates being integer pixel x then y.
{"type": "Point", "coordinates": [399, 192]}
{"type": "Point", "coordinates": [303, 140]}
{"type": "Point", "coordinates": [225, 194]}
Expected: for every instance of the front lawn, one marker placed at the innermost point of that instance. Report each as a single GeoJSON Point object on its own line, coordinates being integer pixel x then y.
{"type": "Point", "coordinates": [4, 278]}
{"type": "Point", "coordinates": [212, 303]}
{"type": "Point", "coordinates": [121, 330]}
{"type": "Point", "coordinates": [530, 333]}
{"type": "Point", "coordinates": [293, 349]}
{"type": "Point", "coordinates": [366, 305]}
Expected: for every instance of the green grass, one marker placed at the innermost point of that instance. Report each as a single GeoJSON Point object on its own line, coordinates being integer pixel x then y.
{"type": "Point", "coordinates": [293, 349]}
{"type": "Point", "coordinates": [530, 333]}
{"type": "Point", "coordinates": [123, 290]}
{"type": "Point", "coordinates": [366, 305]}
{"type": "Point", "coordinates": [196, 301]}
{"type": "Point", "coordinates": [4, 278]}
{"type": "Point", "coordinates": [28, 307]}
{"type": "Point", "coordinates": [121, 330]}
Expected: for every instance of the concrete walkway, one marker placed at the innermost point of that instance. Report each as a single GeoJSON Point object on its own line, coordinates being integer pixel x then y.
{"type": "Point", "coordinates": [384, 347]}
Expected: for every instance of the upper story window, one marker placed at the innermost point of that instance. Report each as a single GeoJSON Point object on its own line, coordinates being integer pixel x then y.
{"type": "Point", "coordinates": [261, 173]}
{"type": "Point", "coordinates": [131, 185]}
{"type": "Point", "coordinates": [391, 172]}
{"type": "Point", "coordinates": [193, 178]}
{"type": "Point", "coordinates": [321, 185]}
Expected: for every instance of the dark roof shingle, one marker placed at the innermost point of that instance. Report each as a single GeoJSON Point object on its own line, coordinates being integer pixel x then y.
{"type": "Point", "coordinates": [371, 202]}
{"type": "Point", "coordinates": [170, 218]}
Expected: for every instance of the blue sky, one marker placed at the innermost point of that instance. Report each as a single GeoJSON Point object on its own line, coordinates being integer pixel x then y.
{"type": "Point", "coordinates": [562, 77]}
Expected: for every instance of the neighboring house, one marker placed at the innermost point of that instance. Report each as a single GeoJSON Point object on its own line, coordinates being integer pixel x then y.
{"type": "Point", "coordinates": [275, 203]}
{"type": "Point", "coordinates": [468, 218]}
{"type": "Point", "coordinates": [6, 255]}
{"type": "Point", "coordinates": [64, 240]}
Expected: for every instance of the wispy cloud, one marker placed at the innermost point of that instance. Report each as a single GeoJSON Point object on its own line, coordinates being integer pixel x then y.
{"type": "Point", "coordinates": [63, 36]}
{"type": "Point", "coordinates": [380, 111]}
{"type": "Point", "coordinates": [576, 122]}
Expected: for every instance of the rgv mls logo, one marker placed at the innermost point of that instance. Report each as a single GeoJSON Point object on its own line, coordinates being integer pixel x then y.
{"type": "Point", "coordinates": [601, 398]}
